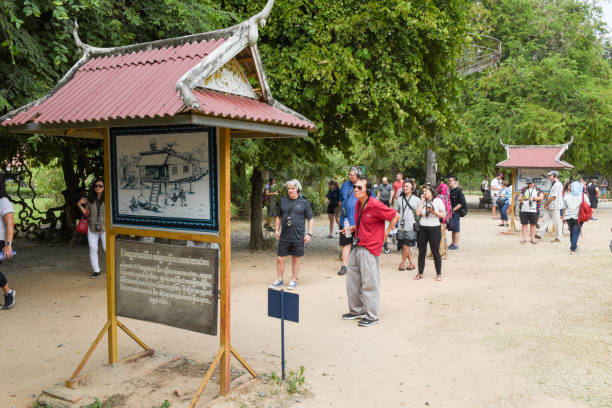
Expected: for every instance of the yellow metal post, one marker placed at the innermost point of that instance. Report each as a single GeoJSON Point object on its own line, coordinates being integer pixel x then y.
{"type": "Point", "coordinates": [225, 213]}
{"type": "Point", "coordinates": [113, 354]}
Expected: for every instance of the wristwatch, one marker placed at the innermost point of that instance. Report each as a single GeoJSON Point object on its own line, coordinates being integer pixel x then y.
{"type": "Point", "coordinates": [309, 234]}
{"type": "Point", "coordinates": [7, 243]}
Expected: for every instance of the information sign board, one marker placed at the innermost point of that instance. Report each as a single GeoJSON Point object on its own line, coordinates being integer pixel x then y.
{"type": "Point", "coordinates": [168, 284]}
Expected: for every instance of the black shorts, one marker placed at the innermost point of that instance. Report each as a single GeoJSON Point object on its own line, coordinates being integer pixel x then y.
{"type": "Point", "coordinates": [286, 248]}
{"type": "Point", "coordinates": [344, 240]}
{"type": "Point", "coordinates": [407, 242]}
{"type": "Point", "coordinates": [331, 208]}
{"type": "Point", "coordinates": [530, 218]}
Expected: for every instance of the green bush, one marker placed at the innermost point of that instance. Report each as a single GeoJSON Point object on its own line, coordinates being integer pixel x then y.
{"type": "Point", "coordinates": [316, 203]}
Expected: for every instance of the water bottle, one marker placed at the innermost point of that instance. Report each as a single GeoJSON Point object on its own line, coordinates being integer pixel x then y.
{"type": "Point", "coordinates": [347, 228]}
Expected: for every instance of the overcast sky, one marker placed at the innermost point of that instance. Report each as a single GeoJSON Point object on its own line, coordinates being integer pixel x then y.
{"type": "Point", "coordinates": [606, 5]}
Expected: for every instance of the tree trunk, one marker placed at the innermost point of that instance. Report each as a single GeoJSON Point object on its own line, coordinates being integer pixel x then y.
{"type": "Point", "coordinates": [71, 193]}
{"type": "Point", "coordinates": [432, 167]}
{"type": "Point", "coordinates": [256, 240]}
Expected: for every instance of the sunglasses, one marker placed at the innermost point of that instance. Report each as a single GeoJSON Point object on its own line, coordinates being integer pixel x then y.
{"type": "Point", "coordinates": [99, 186]}
{"type": "Point", "coordinates": [358, 188]}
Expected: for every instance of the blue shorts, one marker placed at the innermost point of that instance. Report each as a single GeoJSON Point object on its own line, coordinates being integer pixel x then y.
{"type": "Point", "coordinates": [457, 221]}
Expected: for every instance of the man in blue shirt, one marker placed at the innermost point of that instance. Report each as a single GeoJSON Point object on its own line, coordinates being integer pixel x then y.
{"type": "Point", "coordinates": [347, 204]}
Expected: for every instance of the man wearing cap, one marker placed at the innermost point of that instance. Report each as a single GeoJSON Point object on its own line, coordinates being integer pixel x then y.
{"type": "Point", "coordinates": [496, 186]}
{"type": "Point", "coordinates": [552, 208]}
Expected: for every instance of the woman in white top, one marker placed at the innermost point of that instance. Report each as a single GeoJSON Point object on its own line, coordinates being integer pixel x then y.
{"type": "Point", "coordinates": [92, 207]}
{"type": "Point", "coordinates": [572, 202]}
{"type": "Point", "coordinates": [430, 209]}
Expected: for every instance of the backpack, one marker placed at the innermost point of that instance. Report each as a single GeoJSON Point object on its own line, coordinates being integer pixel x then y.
{"type": "Point", "coordinates": [586, 212]}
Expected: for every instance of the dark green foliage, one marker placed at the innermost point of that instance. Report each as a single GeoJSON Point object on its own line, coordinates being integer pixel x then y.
{"type": "Point", "coordinates": [554, 83]}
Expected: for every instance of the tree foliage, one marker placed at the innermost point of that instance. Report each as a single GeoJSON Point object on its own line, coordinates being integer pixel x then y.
{"type": "Point", "coordinates": [554, 83]}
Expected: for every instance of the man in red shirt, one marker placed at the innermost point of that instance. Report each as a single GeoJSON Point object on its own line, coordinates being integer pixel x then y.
{"type": "Point", "coordinates": [363, 276]}
{"type": "Point", "coordinates": [397, 186]}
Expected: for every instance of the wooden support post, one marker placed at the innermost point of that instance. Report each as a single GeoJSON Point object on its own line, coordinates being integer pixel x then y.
{"type": "Point", "coordinates": [87, 355]}
{"type": "Point", "coordinates": [512, 201]}
{"type": "Point", "coordinates": [133, 336]}
{"type": "Point", "coordinates": [113, 354]}
{"type": "Point", "coordinates": [209, 374]}
{"type": "Point", "coordinates": [225, 213]}
{"type": "Point", "coordinates": [244, 363]}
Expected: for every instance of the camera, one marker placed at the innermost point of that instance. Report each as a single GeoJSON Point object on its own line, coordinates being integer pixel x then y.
{"type": "Point", "coordinates": [401, 223]}
{"type": "Point", "coordinates": [355, 242]}
{"type": "Point", "coordinates": [288, 222]}
{"type": "Point", "coordinates": [97, 227]}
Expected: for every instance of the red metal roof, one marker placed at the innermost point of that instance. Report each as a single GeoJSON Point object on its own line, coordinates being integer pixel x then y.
{"type": "Point", "coordinates": [142, 85]}
{"type": "Point", "coordinates": [547, 157]}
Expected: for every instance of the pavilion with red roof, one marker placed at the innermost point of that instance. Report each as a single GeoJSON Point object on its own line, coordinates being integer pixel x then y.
{"type": "Point", "coordinates": [533, 161]}
{"type": "Point", "coordinates": [211, 87]}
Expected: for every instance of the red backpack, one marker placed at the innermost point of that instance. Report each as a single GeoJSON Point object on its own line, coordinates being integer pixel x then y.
{"type": "Point", "coordinates": [586, 212]}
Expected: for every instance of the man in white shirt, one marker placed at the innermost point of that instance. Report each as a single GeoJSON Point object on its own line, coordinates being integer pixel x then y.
{"type": "Point", "coordinates": [496, 186]}
{"type": "Point", "coordinates": [552, 207]}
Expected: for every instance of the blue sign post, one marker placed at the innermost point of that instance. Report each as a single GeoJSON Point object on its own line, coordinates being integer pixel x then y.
{"type": "Point", "coordinates": [284, 306]}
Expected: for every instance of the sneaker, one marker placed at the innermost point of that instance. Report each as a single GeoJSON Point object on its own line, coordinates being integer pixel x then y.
{"type": "Point", "coordinates": [342, 270]}
{"type": "Point", "coordinates": [555, 240]}
{"type": "Point", "coordinates": [573, 252]}
{"type": "Point", "coordinates": [453, 247]}
{"type": "Point", "coordinates": [350, 316]}
{"type": "Point", "coordinates": [277, 284]}
{"type": "Point", "coordinates": [9, 299]}
{"type": "Point", "coordinates": [95, 275]}
{"type": "Point", "coordinates": [292, 285]}
{"type": "Point", "coordinates": [367, 322]}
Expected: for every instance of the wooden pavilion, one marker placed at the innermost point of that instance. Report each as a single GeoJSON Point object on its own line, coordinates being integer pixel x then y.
{"type": "Point", "coordinates": [532, 161]}
{"type": "Point", "coordinates": [212, 80]}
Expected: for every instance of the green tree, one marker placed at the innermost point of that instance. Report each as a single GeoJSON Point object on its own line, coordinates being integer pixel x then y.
{"type": "Point", "coordinates": [36, 50]}
{"type": "Point", "coordinates": [554, 83]}
{"type": "Point", "coordinates": [382, 69]}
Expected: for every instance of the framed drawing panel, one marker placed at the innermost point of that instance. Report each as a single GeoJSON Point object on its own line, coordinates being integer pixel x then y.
{"type": "Point", "coordinates": [165, 177]}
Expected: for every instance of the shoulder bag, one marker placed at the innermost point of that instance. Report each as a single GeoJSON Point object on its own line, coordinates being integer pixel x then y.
{"type": "Point", "coordinates": [82, 226]}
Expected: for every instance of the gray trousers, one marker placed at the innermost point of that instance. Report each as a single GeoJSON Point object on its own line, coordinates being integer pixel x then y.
{"type": "Point", "coordinates": [363, 283]}
{"type": "Point", "coordinates": [551, 217]}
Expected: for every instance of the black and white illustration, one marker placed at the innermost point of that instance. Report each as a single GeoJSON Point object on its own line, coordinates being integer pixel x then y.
{"type": "Point", "coordinates": [165, 177]}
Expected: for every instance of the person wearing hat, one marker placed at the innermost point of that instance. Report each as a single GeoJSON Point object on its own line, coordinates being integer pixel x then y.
{"type": "Point", "coordinates": [528, 201]}
{"type": "Point", "coordinates": [552, 208]}
{"type": "Point", "coordinates": [496, 186]}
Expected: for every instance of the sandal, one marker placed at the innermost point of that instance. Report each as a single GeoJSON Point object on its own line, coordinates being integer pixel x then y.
{"type": "Point", "coordinates": [438, 278]}
{"type": "Point", "coordinates": [534, 242]}
{"type": "Point", "coordinates": [402, 267]}
{"type": "Point", "coordinates": [418, 276]}
{"type": "Point", "coordinates": [523, 241]}
{"type": "Point", "coordinates": [411, 267]}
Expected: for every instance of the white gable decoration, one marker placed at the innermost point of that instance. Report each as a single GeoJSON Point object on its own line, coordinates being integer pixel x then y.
{"type": "Point", "coordinates": [230, 78]}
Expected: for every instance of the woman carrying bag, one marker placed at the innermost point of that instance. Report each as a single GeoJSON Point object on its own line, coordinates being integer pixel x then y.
{"type": "Point", "coordinates": [92, 207]}
{"type": "Point", "coordinates": [430, 210]}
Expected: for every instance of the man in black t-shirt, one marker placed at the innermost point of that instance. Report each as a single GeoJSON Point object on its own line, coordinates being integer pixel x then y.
{"type": "Point", "coordinates": [459, 207]}
{"type": "Point", "coordinates": [293, 211]}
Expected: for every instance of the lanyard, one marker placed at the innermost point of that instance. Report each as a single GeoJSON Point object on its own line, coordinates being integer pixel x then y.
{"type": "Point", "coordinates": [359, 219]}
{"type": "Point", "coordinates": [98, 210]}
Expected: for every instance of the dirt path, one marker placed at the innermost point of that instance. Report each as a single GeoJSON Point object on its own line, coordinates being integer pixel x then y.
{"type": "Point", "coordinates": [510, 326]}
